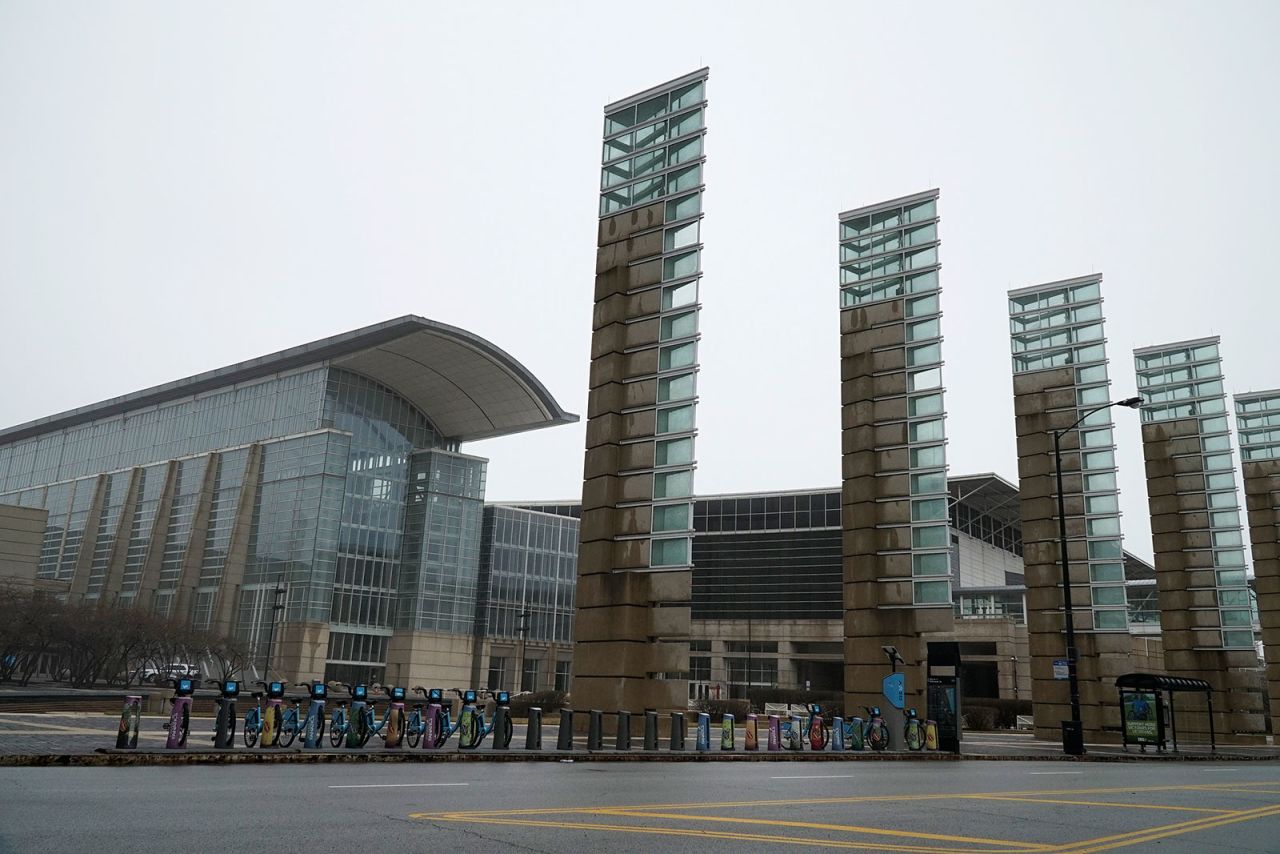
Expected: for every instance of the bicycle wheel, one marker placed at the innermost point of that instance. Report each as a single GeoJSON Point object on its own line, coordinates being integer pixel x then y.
{"type": "Point", "coordinates": [336, 728]}
{"type": "Point", "coordinates": [413, 734]}
{"type": "Point", "coordinates": [507, 729]}
{"type": "Point", "coordinates": [366, 731]}
{"type": "Point", "coordinates": [442, 728]}
{"type": "Point", "coordinates": [879, 736]}
{"type": "Point", "coordinates": [320, 729]}
{"type": "Point", "coordinates": [250, 733]}
{"type": "Point", "coordinates": [186, 726]}
{"type": "Point", "coordinates": [288, 729]}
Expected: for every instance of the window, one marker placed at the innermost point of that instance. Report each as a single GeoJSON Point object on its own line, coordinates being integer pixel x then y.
{"type": "Point", "coordinates": [928, 509]}
{"type": "Point", "coordinates": [669, 552]}
{"type": "Point", "coordinates": [1108, 595]}
{"type": "Point", "coordinates": [678, 326]}
{"type": "Point", "coordinates": [930, 404]}
{"type": "Point", "coordinates": [670, 452]}
{"type": "Point", "coordinates": [680, 266]}
{"type": "Point", "coordinates": [678, 419]}
{"type": "Point", "coordinates": [932, 592]}
{"type": "Point", "coordinates": [673, 484]}
{"type": "Point", "coordinates": [929, 354]}
{"type": "Point", "coordinates": [924, 484]}
{"type": "Point", "coordinates": [925, 431]}
{"type": "Point", "coordinates": [922, 306]}
{"type": "Point", "coordinates": [1106, 572]}
{"type": "Point", "coordinates": [937, 563]}
{"type": "Point", "coordinates": [1117, 619]}
{"type": "Point", "coordinates": [922, 330]}
{"type": "Point", "coordinates": [684, 235]}
{"type": "Point", "coordinates": [1098, 460]}
{"type": "Point", "coordinates": [927, 457]}
{"type": "Point", "coordinates": [562, 675]}
{"type": "Point", "coordinates": [934, 536]}
{"type": "Point", "coordinates": [683, 152]}
{"type": "Point", "coordinates": [675, 388]}
{"type": "Point", "coordinates": [923, 380]}
{"type": "Point", "coordinates": [1099, 482]}
{"type": "Point", "coordinates": [684, 179]}
{"type": "Point", "coordinates": [922, 282]}
{"type": "Point", "coordinates": [685, 207]}
{"type": "Point", "coordinates": [497, 672]}
{"type": "Point", "coordinates": [678, 296]}
{"type": "Point", "coordinates": [679, 356]}
{"type": "Point", "coordinates": [671, 517]}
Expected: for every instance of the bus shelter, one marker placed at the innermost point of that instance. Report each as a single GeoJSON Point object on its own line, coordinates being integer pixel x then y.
{"type": "Point", "coordinates": [1146, 708]}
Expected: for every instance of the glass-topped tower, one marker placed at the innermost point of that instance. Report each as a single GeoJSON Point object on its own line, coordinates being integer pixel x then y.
{"type": "Point", "coordinates": [1205, 615]}
{"type": "Point", "coordinates": [1258, 420]}
{"type": "Point", "coordinates": [1059, 374]}
{"type": "Point", "coordinates": [634, 566]}
{"type": "Point", "coordinates": [896, 544]}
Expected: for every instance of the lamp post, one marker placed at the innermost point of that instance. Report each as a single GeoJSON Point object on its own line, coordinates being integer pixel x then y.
{"type": "Point", "coordinates": [1073, 730]}
{"type": "Point", "coordinates": [523, 628]}
{"type": "Point", "coordinates": [276, 608]}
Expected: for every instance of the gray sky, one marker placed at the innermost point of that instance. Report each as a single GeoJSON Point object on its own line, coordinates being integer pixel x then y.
{"type": "Point", "coordinates": [183, 186]}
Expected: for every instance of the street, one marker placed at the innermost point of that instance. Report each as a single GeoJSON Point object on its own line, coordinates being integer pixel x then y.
{"type": "Point", "coordinates": [989, 806]}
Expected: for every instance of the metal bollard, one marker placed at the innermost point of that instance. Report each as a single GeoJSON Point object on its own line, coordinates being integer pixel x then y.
{"type": "Point", "coordinates": [533, 734]}
{"type": "Point", "coordinates": [677, 731]}
{"type": "Point", "coordinates": [726, 732]}
{"type": "Point", "coordinates": [750, 735]}
{"type": "Point", "coordinates": [650, 729]}
{"type": "Point", "coordinates": [623, 741]}
{"type": "Point", "coordinates": [564, 739]}
{"type": "Point", "coordinates": [595, 730]}
{"type": "Point", "coordinates": [837, 734]}
{"type": "Point", "coordinates": [432, 734]}
{"type": "Point", "coordinates": [501, 739]}
{"type": "Point", "coordinates": [775, 733]}
{"type": "Point", "coordinates": [702, 741]}
{"type": "Point", "coordinates": [127, 737]}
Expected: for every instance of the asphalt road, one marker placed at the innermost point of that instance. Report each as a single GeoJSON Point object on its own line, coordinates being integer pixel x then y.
{"type": "Point", "coordinates": [1014, 807]}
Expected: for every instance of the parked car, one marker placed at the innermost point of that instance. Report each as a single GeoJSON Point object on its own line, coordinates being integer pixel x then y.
{"type": "Point", "coordinates": [163, 675]}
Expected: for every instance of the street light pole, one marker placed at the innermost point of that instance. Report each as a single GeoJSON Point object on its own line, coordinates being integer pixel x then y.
{"type": "Point", "coordinates": [276, 608]}
{"type": "Point", "coordinates": [1073, 730]}
{"type": "Point", "coordinates": [524, 631]}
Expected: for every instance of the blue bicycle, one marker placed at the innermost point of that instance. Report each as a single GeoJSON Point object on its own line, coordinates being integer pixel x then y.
{"type": "Point", "coordinates": [481, 729]}
{"type": "Point", "coordinates": [340, 725]}
{"type": "Point", "coordinates": [380, 728]}
{"type": "Point", "coordinates": [416, 726]}
{"type": "Point", "coordinates": [466, 727]}
{"type": "Point", "coordinates": [295, 721]}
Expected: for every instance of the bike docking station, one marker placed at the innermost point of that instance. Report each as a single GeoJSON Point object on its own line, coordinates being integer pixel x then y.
{"type": "Point", "coordinates": [502, 727]}
{"type": "Point", "coordinates": [432, 735]}
{"type": "Point", "coordinates": [312, 730]}
{"type": "Point", "coordinates": [564, 736]}
{"type": "Point", "coordinates": [533, 730]}
{"type": "Point", "coordinates": [622, 733]}
{"type": "Point", "coordinates": [130, 718]}
{"type": "Point", "coordinates": [393, 723]}
{"type": "Point", "coordinates": [677, 731]}
{"type": "Point", "coordinates": [726, 732]}
{"type": "Point", "coordinates": [702, 743]}
{"type": "Point", "coordinates": [271, 718]}
{"type": "Point", "coordinates": [355, 736]}
{"type": "Point", "coordinates": [180, 714]}
{"type": "Point", "coordinates": [224, 731]}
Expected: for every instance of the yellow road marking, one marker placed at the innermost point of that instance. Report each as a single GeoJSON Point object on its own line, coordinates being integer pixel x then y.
{"type": "Point", "coordinates": [1097, 804]}
{"type": "Point", "coordinates": [1105, 843]}
{"type": "Point", "coordinates": [846, 828]}
{"type": "Point", "coordinates": [719, 834]}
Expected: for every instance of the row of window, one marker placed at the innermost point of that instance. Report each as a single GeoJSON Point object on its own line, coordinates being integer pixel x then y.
{"type": "Point", "coordinates": [1054, 298]}
{"type": "Point", "coordinates": [892, 241]}
{"type": "Point", "coordinates": [649, 163]}
{"type": "Point", "coordinates": [1055, 318]}
{"type": "Point", "coordinates": [1179, 356]}
{"type": "Point", "coordinates": [655, 107]}
{"type": "Point", "coordinates": [1169, 376]}
{"type": "Point", "coordinates": [1060, 338]}
{"type": "Point", "coordinates": [860, 226]}
{"type": "Point", "coordinates": [890, 289]}
{"type": "Point", "coordinates": [1048, 359]}
{"type": "Point", "coordinates": [649, 190]}
{"type": "Point", "coordinates": [888, 265]}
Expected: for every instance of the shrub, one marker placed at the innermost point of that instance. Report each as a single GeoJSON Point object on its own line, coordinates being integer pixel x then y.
{"type": "Point", "coordinates": [1004, 713]}
{"type": "Point", "coordinates": [980, 719]}
{"type": "Point", "coordinates": [548, 701]}
{"type": "Point", "coordinates": [718, 708]}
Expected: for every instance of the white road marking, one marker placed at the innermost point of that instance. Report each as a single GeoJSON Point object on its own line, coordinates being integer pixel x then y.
{"type": "Point", "coordinates": [1055, 772]}
{"type": "Point", "coordinates": [396, 785]}
{"type": "Point", "coordinates": [1220, 769]}
{"type": "Point", "coordinates": [827, 777]}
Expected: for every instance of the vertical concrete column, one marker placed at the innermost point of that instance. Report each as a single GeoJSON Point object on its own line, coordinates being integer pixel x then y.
{"type": "Point", "coordinates": [194, 554]}
{"type": "Point", "coordinates": [92, 521]}
{"type": "Point", "coordinates": [120, 546]}
{"type": "Point", "coordinates": [238, 545]}
{"type": "Point", "coordinates": [895, 545]}
{"type": "Point", "coordinates": [634, 587]}
{"type": "Point", "coordinates": [149, 581]}
{"type": "Point", "coordinates": [1057, 378]}
{"type": "Point", "coordinates": [1257, 416]}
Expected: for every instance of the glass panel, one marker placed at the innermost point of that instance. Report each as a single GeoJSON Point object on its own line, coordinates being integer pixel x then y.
{"type": "Point", "coordinates": [678, 419]}
{"type": "Point", "coordinates": [928, 509]}
{"type": "Point", "coordinates": [1098, 460]}
{"type": "Point", "coordinates": [684, 179]}
{"type": "Point", "coordinates": [651, 108]}
{"type": "Point", "coordinates": [1230, 577]}
{"type": "Point", "coordinates": [673, 484]}
{"type": "Point", "coordinates": [934, 536]}
{"type": "Point", "coordinates": [931, 564]}
{"type": "Point", "coordinates": [675, 388]}
{"type": "Point", "coordinates": [927, 457]}
{"type": "Point", "coordinates": [1233, 617]}
{"type": "Point", "coordinates": [922, 330]}
{"type": "Point", "coordinates": [683, 152]}
{"type": "Point", "coordinates": [679, 356]}
{"type": "Point", "coordinates": [646, 191]}
{"type": "Point", "coordinates": [922, 306]}
{"type": "Point", "coordinates": [1100, 482]}
{"type": "Point", "coordinates": [1101, 504]}
{"type": "Point", "coordinates": [619, 173]}
{"type": "Point", "coordinates": [1117, 619]}
{"type": "Point", "coordinates": [688, 123]}
{"type": "Point", "coordinates": [925, 431]}
{"type": "Point", "coordinates": [1104, 572]}
{"type": "Point", "coordinates": [653, 161]}
{"type": "Point", "coordinates": [923, 484]}
{"type": "Point", "coordinates": [678, 296]}
{"type": "Point", "coordinates": [669, 552]}
{"type": "Point", "coordinates": [922, 211]}
{"type": "Point", "coordinates": [1105, 549]}
{"type": "Point", "coordinates": [1104, 526]}
{"type": "Point", "coordinates": [922, 380]}
{"type": "Point", "coordinates": [687, 96]}
{"type": "Point", "coordinates": [619, 147]}
{"type": "Point", "coordinates": [684, 207]}
{"type": "Point", "coordinates": [929, 354]}
{"type": "Point", "coordinates": [678, 326]}
{"type": "Point", "coordinates": [932, 592]}
{"type": "Point", "coordinates": [620, 120]}
{"type": "Point", "coordinates": [922, 282]}
{"type": "Point", "coordinates": [930, 404]}
{"type": "Point", "coordinates": [680, 266]}
{"type": "Point", "coordinates": [671, 517]}
{"type": "Point", "coordinates": [685, 235]}
{"type": "Point", "coordinates": [1237, 639]}
{"type": "Point", "coordinates": [1233, 597]}
{"type": "Point", "coordinates": [1108, 595]}
{"type": "Point", "coordinates": [671, 452]}
{"type": "Point", "coordinates": [650, 135]}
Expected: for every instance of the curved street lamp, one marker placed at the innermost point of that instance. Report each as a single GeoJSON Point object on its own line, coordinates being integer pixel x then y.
{"type": "Point", "coordinates": [1073, 730]}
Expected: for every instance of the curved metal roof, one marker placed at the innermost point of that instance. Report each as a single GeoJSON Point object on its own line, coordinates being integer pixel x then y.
{"type": "Point", "coordinates": [469, 388]}
{"type": "Point", "coordinates": [1160, 682]}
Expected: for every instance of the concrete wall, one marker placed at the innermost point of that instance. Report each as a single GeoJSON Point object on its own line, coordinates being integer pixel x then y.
{"type": "Point", "coordinates": [21, 538]}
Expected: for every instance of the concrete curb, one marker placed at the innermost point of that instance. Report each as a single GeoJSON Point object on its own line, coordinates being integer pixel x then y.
{"type": "Point", "coordinates": [105, 757]}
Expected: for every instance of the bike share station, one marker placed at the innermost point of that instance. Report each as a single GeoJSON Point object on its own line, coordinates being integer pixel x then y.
{"type": "Point", "coordinates": [276, 727]}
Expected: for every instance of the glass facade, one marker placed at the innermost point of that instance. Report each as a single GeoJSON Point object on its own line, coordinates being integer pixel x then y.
{"type": "Point", "coordinates": [653, 152]}
{"type": "Point", "coordinates": [1258, 420]}
{"type": "Point", "coordinates": [890, 253]}
{"type": "Point", "coordinates": [530, 568]}
{"type": "Point", "coordinates": [1183, 382]}
{"type": "Point", "coordinates": [1060, 325]}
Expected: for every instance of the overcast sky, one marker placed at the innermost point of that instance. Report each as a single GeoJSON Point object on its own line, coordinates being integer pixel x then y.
{"type": "Point", "coordinates": [184, 186]}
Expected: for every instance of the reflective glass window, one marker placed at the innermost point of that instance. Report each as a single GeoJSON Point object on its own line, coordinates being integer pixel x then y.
{"type": "Point", "coordinates": [933, 536]}
{"type": "Point", "coordinates": [925, 431]}
{"type": "Point", "coordinates": [929, 404]}
{"type": "Point", "coordinates": [937, 563]}
{"type": "Point", "coordinates": [929, 354]}
{"type": "Point", "coordinates": [681, 236]}
{"type": "Point", "coordinates": [922, 306]}
{"type": "Point", "coordinates": [922, 330]}
{"type": "Point", "coordinates": [671, 452]}
{"type": "Point", "coordinates": [678, 326]}
{"type": "Point", "coordinates": [1104, 572]}
{"type": "Point", "coordinates": [924, 380]}
{"type": "Point", "coordinates": [1108, 595]}
{"type": "Point", "coordinates": [684, 152]}
{"type": "Point", "coordinates": [673, 484]}
{"type": "Point", "coordinates": [679, 266]}
{"type": "Point", "coordinates": [675, 388]}
{"type": "Point", "coordinates": [678, 296]}
{"type": "Point", "coordinates": [1116, 619]}
{"type": "Point", "coordinates": [684, 179]}
{"type": "Point", "coordinates": [669, 552]}
{"type": "Point", "coordinates": [928, 509]}
{"type": "Point", "coordinates": [678, 356]}
{"type": "Point", "coordinates": [678, 419]}
{"type": "Point", "coordinates": [671, 517]}
{"type": "Point", "coordinates": [684, 207]}
{"type": "Point", "coordinates": [927, 457]}
{"type": "Point", "coordinates": [932, 592]}
{"type": "Point", "coordinates": [929, 482]}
